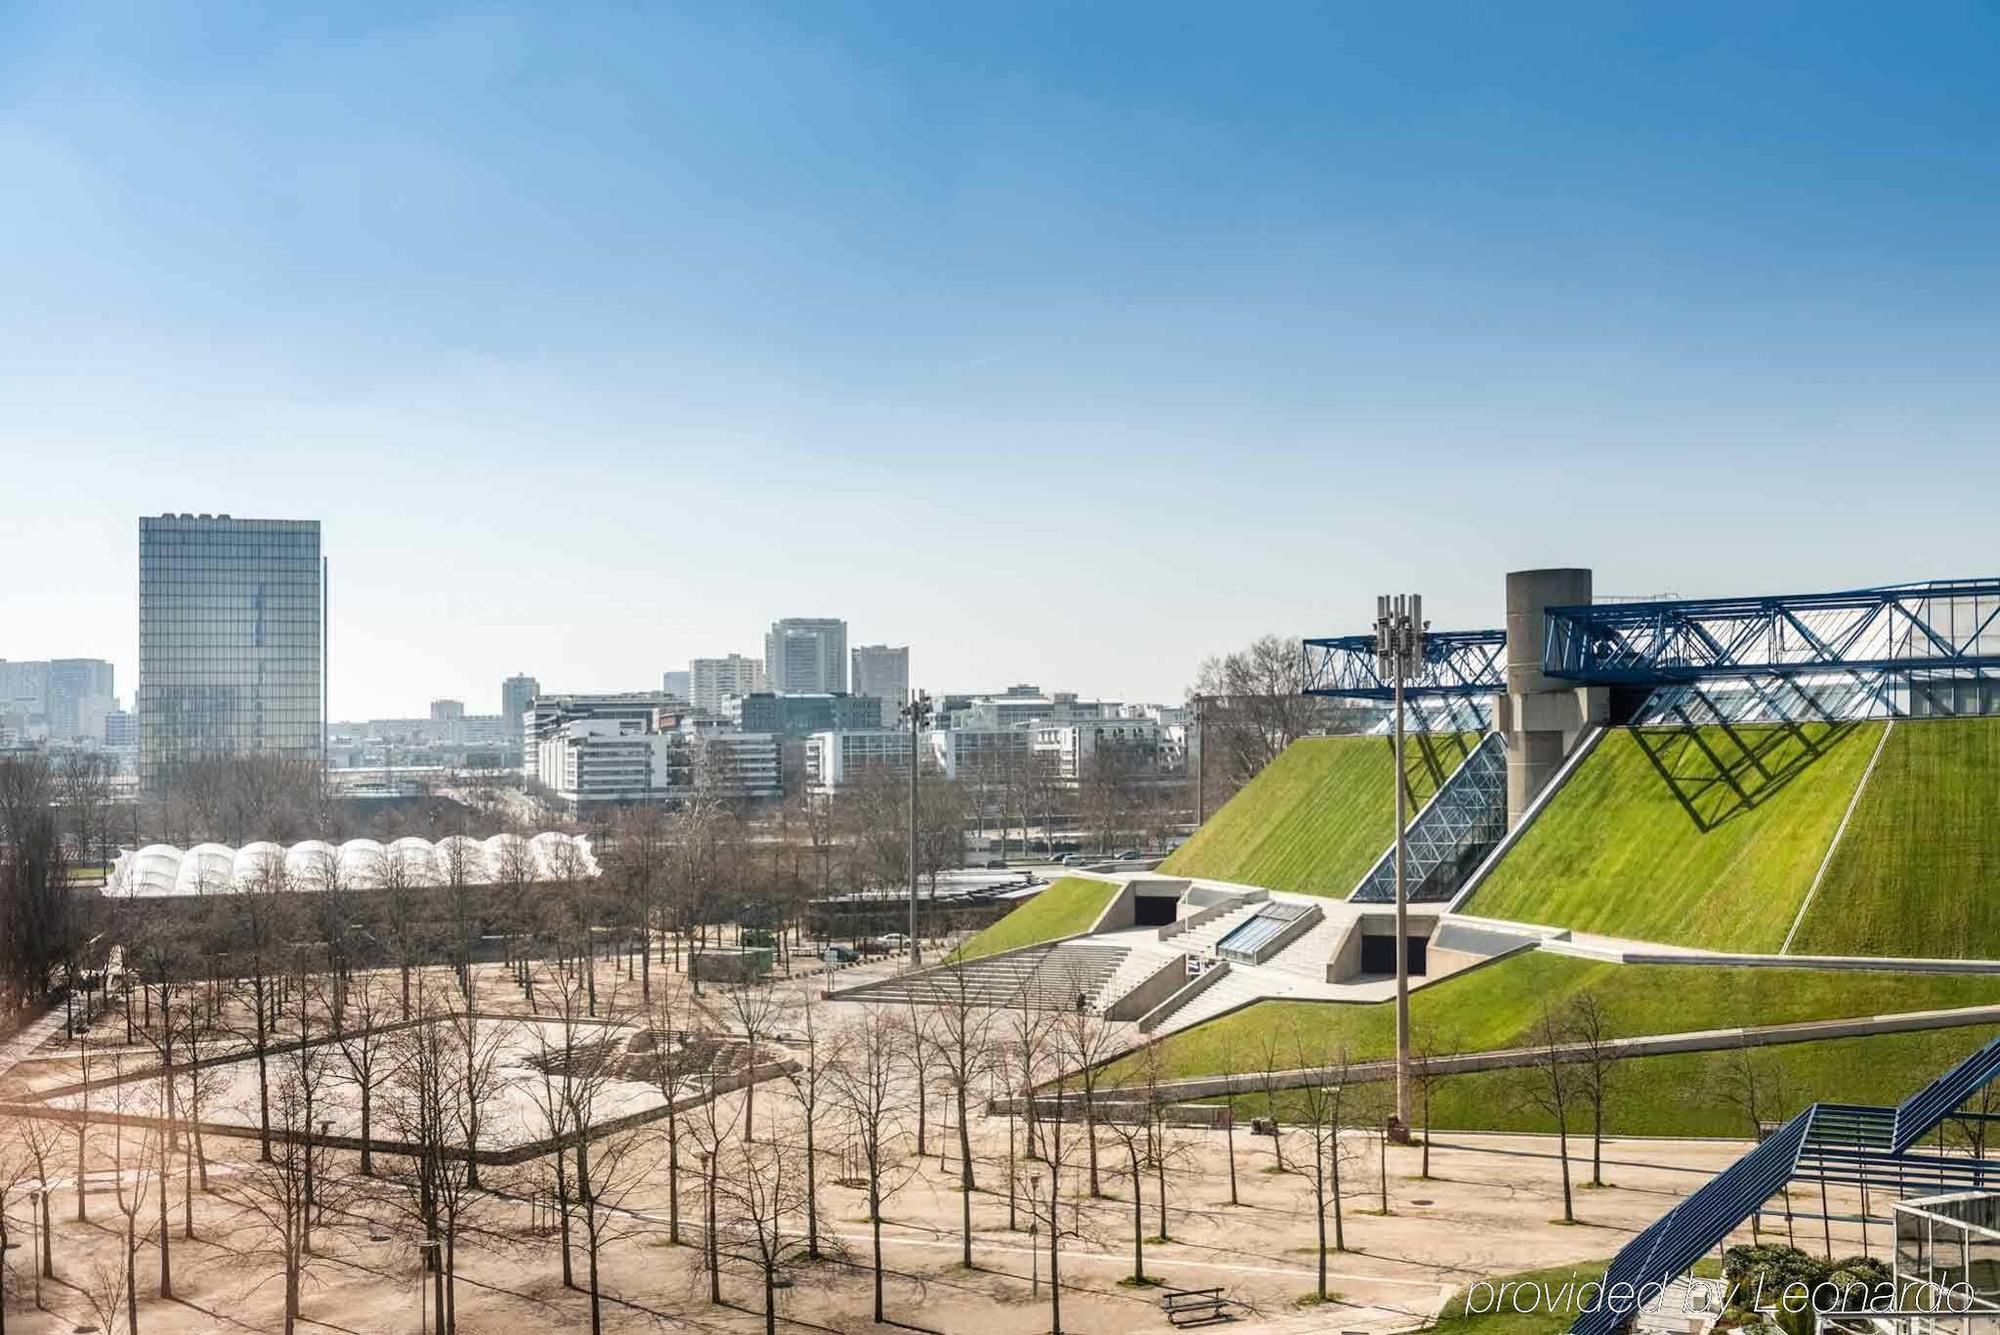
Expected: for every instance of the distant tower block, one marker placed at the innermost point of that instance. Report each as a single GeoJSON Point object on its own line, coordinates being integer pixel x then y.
{"type": "Point", "coordinates": [1541, 717]}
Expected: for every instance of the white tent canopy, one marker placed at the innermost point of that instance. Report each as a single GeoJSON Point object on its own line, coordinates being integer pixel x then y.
{"type": "Point", "coordinates": [358, 864]}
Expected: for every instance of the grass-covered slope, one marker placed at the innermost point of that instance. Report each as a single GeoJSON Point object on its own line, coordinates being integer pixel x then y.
{"type": "Point", "coordinates": [1918, 871]}
{"type": "Point", "coordinates": [1319, 815]}
{"type": "Point", "coordinates": [1497, 1006]}
{"type": "Point", "coordinates": [1690, 1093]}
{"type": "Point", "coordinates": [1693, 836]}
{"type": "Point", "coordinates": [1070, 905]}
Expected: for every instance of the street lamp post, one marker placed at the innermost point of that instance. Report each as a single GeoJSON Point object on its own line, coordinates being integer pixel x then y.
{"type": "Point", "coordinates": [918, 712]}
{"type": "Point", "coordinates": [1399, 654]}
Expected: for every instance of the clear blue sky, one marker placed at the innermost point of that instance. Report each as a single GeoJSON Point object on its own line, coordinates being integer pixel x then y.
{"type": "Point", "coordinates": [1068, 343]}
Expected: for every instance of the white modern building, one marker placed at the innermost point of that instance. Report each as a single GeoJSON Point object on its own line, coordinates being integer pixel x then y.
{"type": "Point", "coordinates": [975, 754]}
{"type": "Point", "coordinates": [883, 671]}
{"type": "Point", "coordinates": [836, 759]}
{"type": "Point", "coordinates": [711, 681]}
{"type": "Point", "coordinates": [1069, 749]}
{"type": "Point", "coordinates": [661, 759]}
{"type": "Point", "coordinates": [805, 655]}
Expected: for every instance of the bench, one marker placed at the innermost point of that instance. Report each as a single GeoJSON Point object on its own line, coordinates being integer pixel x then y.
{"type": "Point", "coordinates": [1194, 1306]}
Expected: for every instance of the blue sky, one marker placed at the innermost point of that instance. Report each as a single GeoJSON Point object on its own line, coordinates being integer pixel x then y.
{"type": "Point", "coordinates": [1066, 343]}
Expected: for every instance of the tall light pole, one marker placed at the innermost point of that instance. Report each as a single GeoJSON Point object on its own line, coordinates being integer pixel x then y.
{"type": "Point", "coordinates": [1399, 656]}
{"type": "Point", "coordinates": [918, 712]}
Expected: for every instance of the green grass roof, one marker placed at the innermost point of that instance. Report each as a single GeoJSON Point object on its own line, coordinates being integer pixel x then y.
{"type": "Point", "coordinates": [1692, 836]}
{"type": "Point", "coordinates": [1069, 905]}
{"type": "Point", "coordinates": [1319, 815]}
{"type": "Point", "coordinates": [1918, 871]}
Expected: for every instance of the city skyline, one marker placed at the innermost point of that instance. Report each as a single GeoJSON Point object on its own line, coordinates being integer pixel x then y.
{"type": "Point", "coordinates": [966, 325]}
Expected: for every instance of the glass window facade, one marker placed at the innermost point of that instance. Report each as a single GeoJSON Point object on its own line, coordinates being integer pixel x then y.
{"type": "Point", "coordinates": [231, 653]}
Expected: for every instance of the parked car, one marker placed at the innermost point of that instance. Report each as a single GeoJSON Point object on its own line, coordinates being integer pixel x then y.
{"type": "Point", "coordinates": [895, 943]}
{"type": "Point", "coordinates": [840, 954]}
{"type": "Point", "coordinates": [1129, 855]}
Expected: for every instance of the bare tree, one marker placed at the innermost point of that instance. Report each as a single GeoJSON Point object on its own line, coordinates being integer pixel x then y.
{"type": "Point", "coordinates": [105, 1293]}
{"type": "Point", "coordinates": [1596, 1054]}
{"type": "Point", "coordinates": [131, 1178]}
{"type": "Point", "coordinates": [1255, 706]}
{"type": "Point", "coordinates": [439, 1067]}
{"type": "Point", "coordinates": [868, 1084]}
{"type": "Point", "coordinates": [362, 1046]}
{"type": "Point", "coordinates": [811, 1079]}
{"type": "Point", "coordinates": [1270, 1068]}
{"type": "Point", "coordinates": [42, 1141]}
{"type": "Point", "coordinates": [677, 1060]}
{"type": "Point", "coordinates": [962, 1036]}
{"type": "Point", "coordinates": [1321, 1102]}
{"type": "Point", "coordinates": [281, 1195]}
{"type": "Point", "coordinates": [1548, 1083]}
{"type": "Point", "coordinates": [761, 1193]}
{"type": "Point", "coordinates": [1087, 1043]}
{"type": "Point", "coordinates": [755, 1007]}
{"type": "Point", "coordinates": [712, 1124]}
{"type": "Point", "coordinates": [1430, 1054]}
{"type": "Point", "coordinates": [17, 1171]}
{"type": "Point", "coordinates": [643, 853]}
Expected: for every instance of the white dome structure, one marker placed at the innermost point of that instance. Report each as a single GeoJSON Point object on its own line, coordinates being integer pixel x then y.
{"type": "Point", "coordinates": [205, 869]}
{"type": "Point", "coordinates": [159, 871]}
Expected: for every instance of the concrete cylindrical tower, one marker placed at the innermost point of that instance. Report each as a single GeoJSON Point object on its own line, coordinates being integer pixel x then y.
{"type": "Point", "coordinates": [1541, 716]}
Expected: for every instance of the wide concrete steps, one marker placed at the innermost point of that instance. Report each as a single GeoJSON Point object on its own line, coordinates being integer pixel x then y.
{"type": "Point", "coordinates": [1051, 977]}
{"type": "Point", "coordinates": [1307, 957]}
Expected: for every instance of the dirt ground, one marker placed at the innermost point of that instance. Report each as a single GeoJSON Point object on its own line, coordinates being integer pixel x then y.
{"type": "Point", "coordinates": [1489, 1208]}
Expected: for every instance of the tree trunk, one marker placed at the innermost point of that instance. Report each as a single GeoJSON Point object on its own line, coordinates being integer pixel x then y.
{"type": "Point", "coordinates": [1138, 1223]}
{"type": "Point", "coordinates": [367, 1154]}
{"type": "Point", "coordinates": [1229, 1138]}
{"type": "Point", "coordinates": [812, 1196]}
{"type": "Point", "coordinates": [1562, 1152]}
{"type": "Point", "coordinates": [1597, 1144]}
{"type": "Point", "coordinates": [1319, 1217]}
{"type": "Point", "coordinates": [875, 1230]}
{"type": "Point", "coordinates": [1339, 1220]}
{"type": "Point", "coordinates": [964, 1180]}
{"type": "Point", "coordinates": [166, 1267]}
{"type": "Point", "coordinates": [673, 1176]}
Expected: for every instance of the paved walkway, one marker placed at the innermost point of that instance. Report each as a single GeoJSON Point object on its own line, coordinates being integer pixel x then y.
{"type": "Point", "coordinates": [27, 1039]}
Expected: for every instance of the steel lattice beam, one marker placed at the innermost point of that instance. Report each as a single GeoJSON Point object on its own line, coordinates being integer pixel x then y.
{"type": "Point", "coordinates": [1456, 662]}
{"type": "Point", "coordinates": [1950, 625]}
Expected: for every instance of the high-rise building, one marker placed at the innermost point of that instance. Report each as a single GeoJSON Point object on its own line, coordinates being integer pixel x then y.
{"type": "Point", "coordinates": [883, 672]}
{"type": "Point", "coordinates": [713, 680]}
{"type": "Point", "coordinates": [517, 697]}
{"type": "Point", "coordinates": [806, 654]}
{"type": "Point", "coordinates": [80, 695]}
{"type": "Point", "coordinates": [678, 684]}
{"type": "Point", "coordinates": [446, 711]}
{"type": "Point", "coordinates": [232, 640]}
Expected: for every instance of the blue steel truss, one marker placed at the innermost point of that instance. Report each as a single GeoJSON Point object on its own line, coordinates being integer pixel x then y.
{"type": "Point", "coordinates": [1454, 832]}
{"type": "Point", "coordinates": [1456, 662]}
{"type": "Point", "coordinates": [1941, 626]}
{"type": "Point", "coordinates": [1827, 1144]}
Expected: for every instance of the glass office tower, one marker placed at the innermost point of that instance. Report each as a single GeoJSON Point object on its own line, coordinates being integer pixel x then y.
{"type": "Point", "coordinates": [231, 640]}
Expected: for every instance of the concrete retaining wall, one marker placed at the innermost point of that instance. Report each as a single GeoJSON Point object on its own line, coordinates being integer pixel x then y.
{"type": "Point", "coordinates": [1155, 988]}
{"type": "Point", "coordinates": [1194, 988]}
